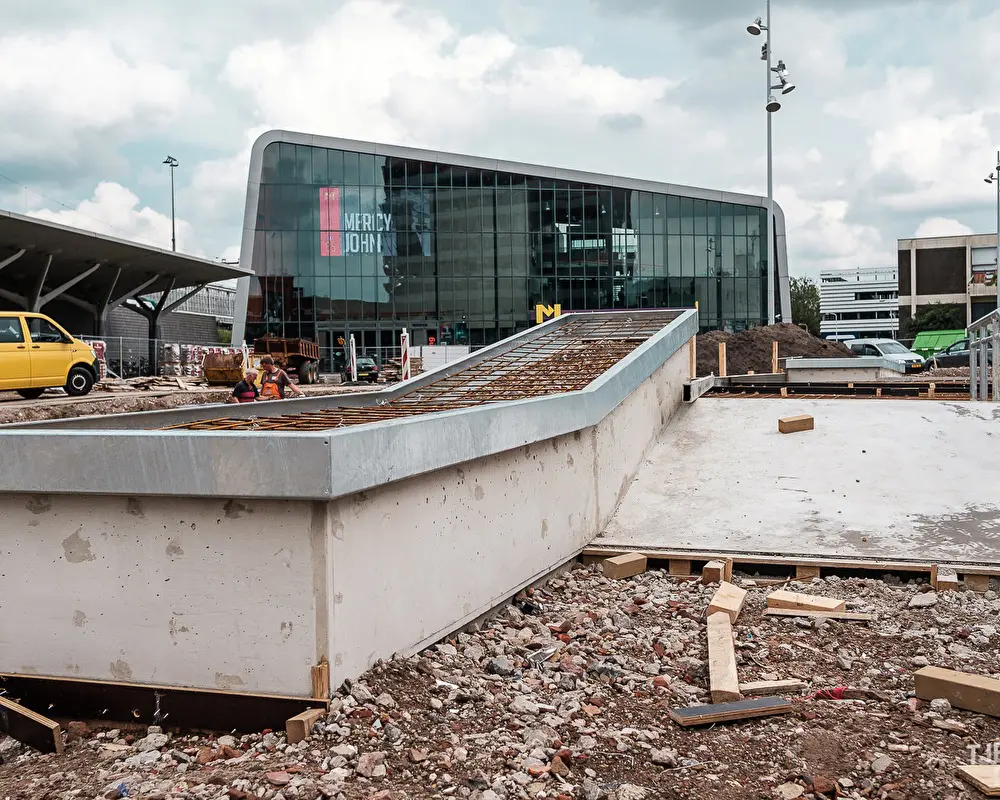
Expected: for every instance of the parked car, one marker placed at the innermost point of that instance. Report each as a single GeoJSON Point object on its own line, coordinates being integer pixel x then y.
{"type": "Point", "coordinates": [889, 349]}
{"type": "Point", "coordinates": [37, 354]}
{"type": "Point", "coordinates": [956, 355]}
{"type": "Point", "coordinates": [367, 371]}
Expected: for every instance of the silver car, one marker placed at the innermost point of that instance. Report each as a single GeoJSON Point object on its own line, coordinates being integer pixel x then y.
{"type": "Point", "coordinates": [888, 349]}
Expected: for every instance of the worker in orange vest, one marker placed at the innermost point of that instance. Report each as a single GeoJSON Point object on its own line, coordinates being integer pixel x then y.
{"type": "Point", "coordinates": [274, 381]}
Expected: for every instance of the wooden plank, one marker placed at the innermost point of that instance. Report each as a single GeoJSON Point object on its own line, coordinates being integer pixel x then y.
{"type": "Point", "coordinates": [680, 567]}
{"type": "Point", "coordinates": [728, 599]}
{"type": "Point", "coordinates": [843, 616]}
{"type": "Point", "coordinates": [320, 675]}
{"type": "Point", "coordinates": [693, 357]}
{"type": "Point", "coordinates": [30, 728]}
{"type": "Point", "coordinates": [768, 688]}
{"type": "Point", "coordinates": [600, 552]}
{"type": "Point", "coordinates": [722, 678]}
{"type": "Point", "coordinates": [806, 571]}
{"type": "Point", "coordinates": [947, 580]}
{"type": "Point", "coordinates": [300, 726]}
{"type": "Point", "coordinates": [801, 422]}
{"type": "Point", "coordinates": [722, 359]}
{"type": "Point", "coordinates": [730, 712]}
{"type": "Point", "coordinates": [804, 602]}
{"type": "Point", "coordinates": [774, 355]}
{"type": "Point", "coordinates": [977, 583]}
{"type": "Point", "coordinates": [962, 689]}
{"type": "Point", "coordinates": [713, 572]}
{"type": "Point", "coordinates": [728, 574]}
{"type": "Point", "coordinates": [985, 777]}
{"type": "Point", "coordinates": [624, 566]}
{"type": "Point", "coordinates": [211, 709]}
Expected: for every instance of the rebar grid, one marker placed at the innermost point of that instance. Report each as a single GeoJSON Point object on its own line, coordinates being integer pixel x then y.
{"type": "Point", "coordinates": [565, 359]}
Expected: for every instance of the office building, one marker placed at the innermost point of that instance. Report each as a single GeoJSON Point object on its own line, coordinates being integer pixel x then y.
{"type": "Point", "coordinates": [863, 303]}
{"type": "Point", "coordinates": [348, 237]}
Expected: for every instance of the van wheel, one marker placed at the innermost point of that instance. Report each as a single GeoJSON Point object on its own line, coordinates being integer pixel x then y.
{"type": "Point", "coordinates": [80, 382]}
{"type": "Point", "coordinates": [30, 394]}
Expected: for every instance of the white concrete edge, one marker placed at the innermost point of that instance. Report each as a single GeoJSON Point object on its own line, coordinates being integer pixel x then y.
{"type": "Point", "coordinates": [698, 387]}
{"type": "Point", "coordinates": [859, 362]}
{"type": "Point", "coordinates": [321, 465]}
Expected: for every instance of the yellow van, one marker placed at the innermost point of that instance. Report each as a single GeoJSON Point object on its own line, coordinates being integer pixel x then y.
{"type": "Point", "coordinates": [37, 354]}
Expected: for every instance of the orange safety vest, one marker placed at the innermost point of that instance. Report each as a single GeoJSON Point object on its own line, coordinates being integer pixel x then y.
{"type": "Point", "coordinates": [269, 389]}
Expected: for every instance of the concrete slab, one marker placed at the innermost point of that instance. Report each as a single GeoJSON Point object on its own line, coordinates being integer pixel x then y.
{"type": "Point", "coordinates": [880, 479]}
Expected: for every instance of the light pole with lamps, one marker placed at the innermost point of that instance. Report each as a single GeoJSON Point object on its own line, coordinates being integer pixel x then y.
{"type": "Point", "coordinates": [172, 162]}
{"type": "Point", "coordinates": [785, 86]}
{"type": "Point", "coordinates": [994, 177]}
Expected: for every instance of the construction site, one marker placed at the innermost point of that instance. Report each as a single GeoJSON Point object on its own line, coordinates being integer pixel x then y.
{"type": "Point", "coordinates": [601, 559]}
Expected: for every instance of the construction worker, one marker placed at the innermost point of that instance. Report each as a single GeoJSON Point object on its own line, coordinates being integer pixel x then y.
{"type": "Point", "coordinates": [246, 390]}
{"type": "Point", "coordinates": [274, 381]}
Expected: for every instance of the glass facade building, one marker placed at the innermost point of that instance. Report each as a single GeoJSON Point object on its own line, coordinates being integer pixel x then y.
{"type": "Point", "coordinates": [353, 238]}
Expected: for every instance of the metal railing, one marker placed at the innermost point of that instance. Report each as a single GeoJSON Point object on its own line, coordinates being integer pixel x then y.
{"type": "Point", "coordinates": [984, 350]}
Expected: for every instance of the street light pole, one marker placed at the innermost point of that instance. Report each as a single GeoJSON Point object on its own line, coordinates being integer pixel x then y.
{"type": "Point", "coordinates": [771, 248]}
{"type": "Point", "coordinates": [172, 162]}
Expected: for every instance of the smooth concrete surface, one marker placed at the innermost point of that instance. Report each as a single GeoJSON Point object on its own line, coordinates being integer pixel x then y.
{"type": "Point", "coordinates": [880, 479]}
{"type": "Point", "coordinates": [219, 594]}
{"type": "Point", "coordinates": [246, 594]}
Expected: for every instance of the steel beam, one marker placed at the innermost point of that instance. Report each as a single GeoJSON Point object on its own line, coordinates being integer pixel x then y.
{"type": "Point", "coordinates": [11, 259]}
{"type": "Point", "coordinates": [68, 285]}
{"type": "Point", "coordinates": [132, 293]}
{"type": "Point", "coordinates": [36, 299]}
{"type": "Point", "coordinates": [183, 299]}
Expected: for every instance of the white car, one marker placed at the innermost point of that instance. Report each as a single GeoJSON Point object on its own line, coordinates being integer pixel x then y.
{"type": "Point", "coordinates": [888, 349]}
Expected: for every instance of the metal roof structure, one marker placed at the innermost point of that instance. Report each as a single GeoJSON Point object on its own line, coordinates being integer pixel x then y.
{"type": "Point", "coordinates": [42, 261]}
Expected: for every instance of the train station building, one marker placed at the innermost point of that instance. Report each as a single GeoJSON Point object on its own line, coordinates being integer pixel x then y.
{"type": "Point", "coordinates": [346, 237]}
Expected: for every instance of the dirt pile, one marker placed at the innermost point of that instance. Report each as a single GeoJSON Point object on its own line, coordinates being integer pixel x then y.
{"type": "Point", "coordinates": [751, 349]}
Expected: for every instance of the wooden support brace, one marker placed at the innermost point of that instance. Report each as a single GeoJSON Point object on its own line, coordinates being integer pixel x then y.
{"type": "Point", "coordinates": [300, 726]}
{"type": "Point", "coordinates": [624, 566]}
{"type": "Point", "coordinates": [961, 689]}
{"type": "Point", "coordinates": [30, 728]}
{"type": "Point", "coordinates": [680, 568]}
{"type": "Point", "coordinates": [774, 355]}
{"type": "Point", "coordinates": [728, 599]}
{"type": "Point", "coordinates": [693, 357]}
{"type": "Point", "coordinates": [977, 583]}
{"type": "Point", "coordinates": [713, 572]}
{"type": "Point", "coordinates": [769, 688]}
{"type": "Point", "coordinates": [806, 572]}
{"type": "Point", "coordinates": [722, 360]}
{"type": "Point", "coordinates": [320, 675]}
{"type": "Point", "coordinates": [728, 574]}
{"type": "Point", "coordinates": [722, 678]}
{"type": "Point", "coordinates": [947, 580]}
{"type": "Point", "coordinates": [804, 602]}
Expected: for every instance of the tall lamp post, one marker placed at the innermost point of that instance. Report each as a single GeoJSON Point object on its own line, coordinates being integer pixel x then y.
{"type": "Point", "coordinates": [172, 162]}
{"type": "Point", "coordinates": [994, 177]}
{"type": "Point", "coordinates": [785, 86]}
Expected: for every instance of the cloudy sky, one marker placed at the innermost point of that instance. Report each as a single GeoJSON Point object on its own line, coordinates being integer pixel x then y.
{"type": "Point", "coordinates": [893, 126]}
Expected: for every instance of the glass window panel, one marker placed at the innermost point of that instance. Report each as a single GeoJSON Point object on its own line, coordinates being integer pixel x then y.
{"type": "Point", "coordinates": [701, 256]}
{"type": "Point", "coordinates": [352, 171]}
{"type": "Point", "coordinates": [646, 249]}
{"type": "Point", "coordinates": [754, 300]}
{"type": "Point", "coordinates": [352, 266]}
{"type": "Point", "coordinates": [269, 165]}
{"type": "Point", "coordinates": [741, 299]}
{"type": "Point", "coordinates": [286, 162]}
{"type": "Point", "coordinates": [303, 164]}
{"type": "Point", "coordinates": [673, 255]}
{"type": "Point", "coordinates": [687, 256]}
{"type": "Point", "coordinates": [320, 170]}
{"type": "Point", "coordinates": [699, 210]}
{"type": "Point", "coordinates": [741, 257]}
{"type": "Point", "coordinates": [428, 174]}
{"type": "Point", "coordinates": [659, 213]}
{"type": "Point", "coordinates": [645, 212]}
{"type": "Point", "coordinates": [503, 210]}
{"type": "Point", "coordinates": [686, 215]}
{"type": "Point", "coordinates": [728, 267]}
{"type": "Point", "coordinates": [659, 254]}
{"type": "Point", "coordinates": [727, 219]}
{"type": "Point", "coordinates": [366, 170]}
{"type": "Point", "coordinates": [740, 221]}
{"type": "Point", "coordinates": [756, 221]}
{"type": "Point", "coordinates": [335, 167]}
{"type": "Point", "coordinates": [673, 214]}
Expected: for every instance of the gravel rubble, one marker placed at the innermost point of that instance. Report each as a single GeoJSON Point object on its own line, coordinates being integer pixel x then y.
{"type": "Point", "coordinates": [564, 694]}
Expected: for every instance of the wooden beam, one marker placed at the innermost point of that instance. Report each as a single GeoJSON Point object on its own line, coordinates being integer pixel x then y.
{"type": "Point", "coordinates": [796, 424]}
{"type": "Point", "coordinates": [624, 566]}
{"type": "Point", "coordinates": [210, 709]}
{"type": "Point", "coordinates": [300, 726]}
{"type": "Point", "coordinates": [680, 567]}
{"type": "Point", "coordinates": [693, 357]}
{"type": "Point", "coordinates": [977, 583]}
{"type": "Point", "coordinates": [722, 359]}
{"type": "Point", "coordinates": [728, 574]}
{"type": "Point", "coordinates": [713, 572]}
{"type": "Point", "coordinates": [804, 602]}
{"type": "Point", "coordinates": [840, 616]}
{"type": "Point", "coordinates": [768, 688]}
{"type": "Point", "coordinates": [946, 580]}
{"type": "Point", "coordinates": [806, 572]}
{"type": "Point", "coordinates": [985, 777]}
{"type": "Point", "coordinates": [722, 679]}
{"type": "Point", "coordinates": [774, 355]}
{"type": "Point", "coordinates": [730, 712]}
{"type": "Point", "coordinates": [961, 689]}
{"type": "Point", "coordinates": [30, 728]}
{"type": "Point", "coordinates": [728, 599]}
{"type": "Point", "coordinates": [320, 675]}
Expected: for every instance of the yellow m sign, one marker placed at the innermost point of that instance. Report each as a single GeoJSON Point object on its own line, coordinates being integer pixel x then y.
{"type": "Point", "coordinates": [542, 312]}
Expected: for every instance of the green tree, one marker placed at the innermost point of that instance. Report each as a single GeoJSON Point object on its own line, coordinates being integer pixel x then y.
{"type": "Point", "coordinates": [804, 295]}
{"type": "Point", "coordinates": [934, 317]}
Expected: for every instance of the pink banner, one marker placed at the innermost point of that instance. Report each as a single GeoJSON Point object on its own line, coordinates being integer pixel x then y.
{"type": "Point", "coordinates": [329, 221]}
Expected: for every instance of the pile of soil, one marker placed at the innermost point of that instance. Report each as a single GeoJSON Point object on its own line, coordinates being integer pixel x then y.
{"type": "Point", "coordinates": [751, 349]}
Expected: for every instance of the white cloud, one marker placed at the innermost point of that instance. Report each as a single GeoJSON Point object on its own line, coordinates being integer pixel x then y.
{"type": "Point", "coordinates": [942, 226]}
{"type": "Point", "coordinates": [55, 88]}
{"type": "Point", "coordinates": [115, 211]}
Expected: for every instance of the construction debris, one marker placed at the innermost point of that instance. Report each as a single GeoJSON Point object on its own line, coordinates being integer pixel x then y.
{"type": "Point", "coordinates": [768, 688]}
{"type": "Point", "coordinates": [840, 616]}
{"type": "Point", "coordinates": [802, 422]}
{"type": "Point", "coordinates": [728, 599]}
{"type": "Point", "coordinates": [752, 350]}
{"type": "Point", "coordinates": [803, 602]}
{"type": "Point", "coordinates": [722, 679]}
{"type": "Point", "coordinates": [626, 565]}
{"type": "Point", "coordinates": [960, 689]}
{"type": "Point", "coordinates": [985, 777]}
{"type": "Point", "coordinates": [623, 702]}
{"type": "Point", "coordinates": [31, 728]}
